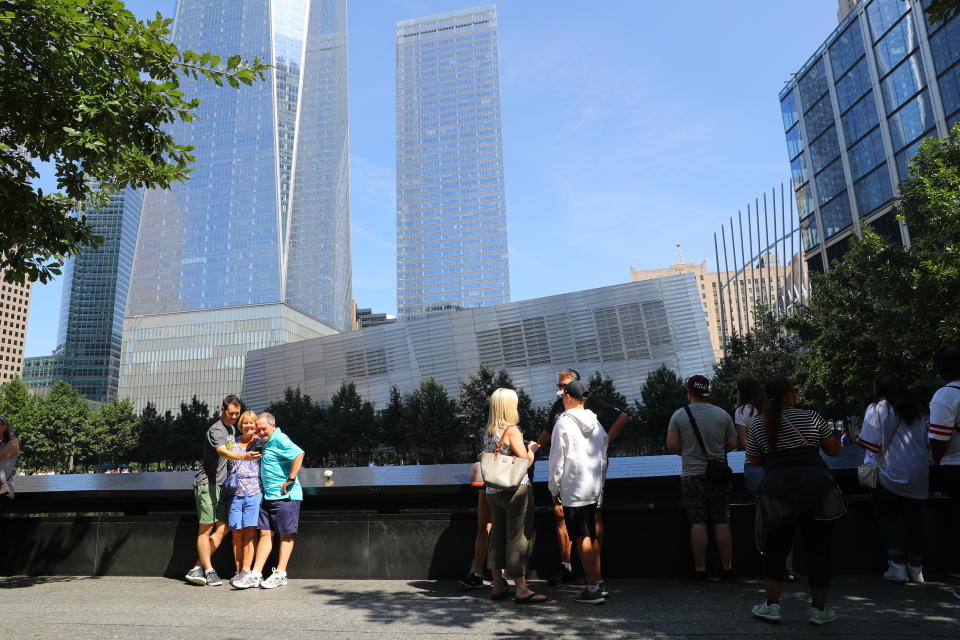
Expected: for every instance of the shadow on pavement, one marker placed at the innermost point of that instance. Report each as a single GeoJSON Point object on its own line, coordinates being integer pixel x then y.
{"type": "Point", "coordinates": [22, 582]}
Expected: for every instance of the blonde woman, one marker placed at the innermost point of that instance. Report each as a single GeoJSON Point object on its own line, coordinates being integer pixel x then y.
{"type": "Point", "coordinates": [511, 536]}
{"type": "Point", "coordinates": [244, 476]}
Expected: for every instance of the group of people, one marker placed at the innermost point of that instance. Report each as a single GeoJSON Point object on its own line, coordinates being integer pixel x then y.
{"type": "Point", "coordinates": [796, 494]}
{"type": "Point", "coordinates": [795, 491]}
{"type": "Point", "coordinates": [248, 484]}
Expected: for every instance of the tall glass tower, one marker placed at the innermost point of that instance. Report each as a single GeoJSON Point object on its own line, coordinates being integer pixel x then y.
{"type": "Point", "coordinates": [254, 249]}
{"type": "Point", "coordinates": [91, 309]}
{"type": "Point", "coordinates": [857, 111]}
{"type": "Point", "coordinates": [265, 216]}
{"type": "Point", "coordinates": [451, 210]}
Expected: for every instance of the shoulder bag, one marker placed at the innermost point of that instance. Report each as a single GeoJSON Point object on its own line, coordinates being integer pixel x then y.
{"type": "Point", "coordinates": [501, 472]}
{"type": "Point", "coordinates": [718, 471]}
{"type": "Point", "coordinates": [869, 474]}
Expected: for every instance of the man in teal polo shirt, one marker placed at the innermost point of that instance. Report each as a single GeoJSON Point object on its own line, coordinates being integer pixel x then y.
{"type": "Point", "coordinates": [280, 507]}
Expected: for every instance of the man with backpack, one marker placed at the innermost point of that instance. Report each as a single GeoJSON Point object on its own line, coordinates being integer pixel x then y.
{"type": "Point", "coordinates": [701, 434]}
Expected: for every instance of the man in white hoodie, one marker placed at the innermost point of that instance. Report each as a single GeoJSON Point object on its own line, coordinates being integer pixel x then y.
{"type": "Point", "coordinates": [578, 460]}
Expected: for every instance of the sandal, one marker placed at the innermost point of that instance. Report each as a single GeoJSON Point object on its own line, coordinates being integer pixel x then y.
{"type": "Point", "coordinates": [533, 598]}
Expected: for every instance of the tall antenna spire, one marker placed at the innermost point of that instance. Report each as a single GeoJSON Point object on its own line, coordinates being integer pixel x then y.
{"type": "Point", "coordinates": [679, 254]}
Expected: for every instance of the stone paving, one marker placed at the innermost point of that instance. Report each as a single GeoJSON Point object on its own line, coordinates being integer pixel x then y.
{"type": "Point", "coordinates": [114, 608]}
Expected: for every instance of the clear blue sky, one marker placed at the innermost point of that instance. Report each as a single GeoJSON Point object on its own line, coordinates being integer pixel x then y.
{"type": "Point", "coordinates": [627, 126]}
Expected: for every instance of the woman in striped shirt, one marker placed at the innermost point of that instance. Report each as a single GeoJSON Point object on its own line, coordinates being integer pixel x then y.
{"type": "Point", "coordinates": [797, 492]}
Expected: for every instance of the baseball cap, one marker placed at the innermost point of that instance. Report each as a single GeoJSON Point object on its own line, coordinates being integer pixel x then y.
{"type": "Point", "coordinates": [576, 389]}
{"type": "Point", "coordinates": [698, 386]}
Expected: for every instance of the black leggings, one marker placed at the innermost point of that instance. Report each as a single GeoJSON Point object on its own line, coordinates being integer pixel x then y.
{"type": "Point", "coordinates": [900, 521]}
{"type": "Point", "coordinates": [817, 536]}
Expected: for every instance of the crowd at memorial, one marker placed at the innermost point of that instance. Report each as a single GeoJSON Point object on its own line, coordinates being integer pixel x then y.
{"type": "Point", "coordinates": [248, 484]}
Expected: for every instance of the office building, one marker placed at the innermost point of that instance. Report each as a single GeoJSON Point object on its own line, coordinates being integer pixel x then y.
{"type": "Point", "coordinates": [758, 286]}
{"type": "Point", "coordinates": [625, 331]}
{"type": "Point", "coordinates": [264, 222]}
{"type": "Point", "coordinates": [14, 309]}
{"type": "Point", "coordinates": [451, 210]}
{"type": "Point", "coordinates": [856, 113]}
{"type": "Point", "coordinates": [367, 318]}
{"type": "Point", "coordinates": [94, 297]}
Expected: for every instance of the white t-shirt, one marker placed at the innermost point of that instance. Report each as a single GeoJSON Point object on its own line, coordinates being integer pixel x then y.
{"type": "Point", "coordinates": [905, 469]}
{"type": "Point", "coordinates": [744, 415]}
{"type": "Point", "coordinates": [944, 413]}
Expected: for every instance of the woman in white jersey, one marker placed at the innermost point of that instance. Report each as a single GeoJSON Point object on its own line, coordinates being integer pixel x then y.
{"type": "Point", "coordinates": [511, 535]}
{"type": "Point", "coordinates": [797, 493]}
{"type": "Point", "coordinates": [895, 437]}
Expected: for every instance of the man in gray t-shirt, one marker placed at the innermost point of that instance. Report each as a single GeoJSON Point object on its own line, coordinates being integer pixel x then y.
{"type": "Point", "coordinates": [702, 500]}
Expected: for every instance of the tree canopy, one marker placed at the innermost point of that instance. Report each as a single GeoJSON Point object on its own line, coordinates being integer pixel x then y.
{"type": "Point", "coordinates": [88, 89]}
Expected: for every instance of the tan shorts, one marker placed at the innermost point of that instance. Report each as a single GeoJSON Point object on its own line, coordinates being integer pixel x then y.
{"type": "Point", "coordinates": [213, 503]}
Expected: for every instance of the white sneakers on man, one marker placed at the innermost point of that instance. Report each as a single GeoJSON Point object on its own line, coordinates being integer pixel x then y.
{"type": "Point", "coordinates": [276, 579]}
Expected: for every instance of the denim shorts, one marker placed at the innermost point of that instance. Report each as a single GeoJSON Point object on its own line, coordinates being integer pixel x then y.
{"type": "Point", "coordinates": [245, 511]}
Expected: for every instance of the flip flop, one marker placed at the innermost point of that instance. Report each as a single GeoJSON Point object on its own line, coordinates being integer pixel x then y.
{"type": "Point", "coordinates": [533, 598]}
{"type": "Point", "coordinates": [503, 595]}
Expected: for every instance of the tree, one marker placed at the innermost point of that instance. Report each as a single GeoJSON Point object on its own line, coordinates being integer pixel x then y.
{"type": "Point", "coordinates": [87, 88]}
{"type": "Point", "coordinates": [64, 422]}
{"type": "Point", "coordinates": [942, 10]}
{"type": "Point", "coordinates": [116, 431]}
{"type": "Point", "coordinates": [433, 418]}
{"type": "Point", "coordinates": [662, 393]}
{"type": "Point", "coordinates": [155, 433]}
{"type": "Point", "coordinates": [394, 425]}
{"type": "Point", "coordinates": [20, 407]}
{"type": "Point", "coordinates": [351, 421]}
{"type": "Point", "coordinates": [184, 447]}
{"type": "Point", "coordinates": [302, 419]}
{"type": "Point", "coordinates": [602, 387]}
{"type": "Point", "coordinates": [770, 348]}
{"type": "Point", "coordinates": [883, 306]}
{"type": "Point", "coordinates": [474, 405]}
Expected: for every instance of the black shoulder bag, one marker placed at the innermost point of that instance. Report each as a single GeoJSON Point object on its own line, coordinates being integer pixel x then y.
{"type": "Point", "coordinates": [718, 471]}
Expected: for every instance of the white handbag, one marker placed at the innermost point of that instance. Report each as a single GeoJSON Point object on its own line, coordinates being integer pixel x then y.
{"type": "Point", "coordinates": [502, 472]}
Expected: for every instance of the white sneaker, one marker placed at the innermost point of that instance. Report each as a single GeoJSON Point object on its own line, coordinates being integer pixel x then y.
{"type": "Point", "coordinates": [276, 579]}
{"type": "Point", "coordinates": [915, 573]}
{"type": "Point", "coordinates": [895, 572]}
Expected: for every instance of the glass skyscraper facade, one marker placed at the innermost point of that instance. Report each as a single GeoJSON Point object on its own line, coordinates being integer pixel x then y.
{"type": "Point", "coordinates": [451, 209]}
{"type": "Point", "coordinates": [856, 113]}
{"type": "Point", "coordinates": [96, 284]}
{"type": "Point", "coordinates": [265, 215]}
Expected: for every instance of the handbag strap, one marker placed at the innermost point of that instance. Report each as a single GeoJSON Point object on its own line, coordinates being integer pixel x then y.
{"type": "Point", "coordinates": [884, 449]}
{"type": "Point", "coordinates": [795, 430]}
{"type": "Point", "coordinates": [696, 430]}
{"type": "Point", "coordinates": [496, 451]}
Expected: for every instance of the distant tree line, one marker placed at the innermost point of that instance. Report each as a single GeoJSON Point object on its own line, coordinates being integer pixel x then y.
{"type": "Point", "coordinates": [63, 432]}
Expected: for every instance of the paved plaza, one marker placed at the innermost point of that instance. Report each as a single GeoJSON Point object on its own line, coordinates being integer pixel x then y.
{"type": "Point", "coordinates": [145, 608]}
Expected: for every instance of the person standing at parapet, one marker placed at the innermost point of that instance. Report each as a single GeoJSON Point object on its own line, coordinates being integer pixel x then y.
{"type": "Point", "coordinates": [9, 448]}
{"type": "Point", "coordinates": [212, 501]}
{"type": "Point", "coordinates": [280, 507]}
{"type": "Point", "coordinates": [704, 500]}
{"type": "Point", "coordinates": [613, 421]}
{"type": "Point", "coordinates": [944, 432]}
{"type": "Point", "coordinates": [578, 461]}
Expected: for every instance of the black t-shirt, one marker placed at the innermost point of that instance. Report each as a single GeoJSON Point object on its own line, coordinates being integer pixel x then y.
{"type": "Point", "coordinates": [607, 414]}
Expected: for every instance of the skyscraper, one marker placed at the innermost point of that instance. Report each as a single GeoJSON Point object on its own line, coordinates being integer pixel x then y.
{"type": "Point", "coordinates": [451, 210]}
{"type": "Point", "coordinates": [14, 311]}
{"type": "Point", "coordinates": [856, 113]}
{"type": "Point", "coordinates": [261, 232]}
{"type": "Point", "coordinates": [91, 309]}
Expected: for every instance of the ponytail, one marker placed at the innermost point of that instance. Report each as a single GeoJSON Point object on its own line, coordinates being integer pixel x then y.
{"type": "Point", "coordinates": [776, 390]}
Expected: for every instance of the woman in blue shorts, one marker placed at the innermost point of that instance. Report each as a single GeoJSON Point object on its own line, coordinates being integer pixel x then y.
{"type": "Point", "coordinates": [244, 481]}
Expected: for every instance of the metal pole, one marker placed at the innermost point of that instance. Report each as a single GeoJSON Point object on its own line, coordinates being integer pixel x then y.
{"type": "Point", "coordinates": [726, 272]}
{"type": "Point", "coordinates": [797, 286]}
{"type": "Point", "coordinates": [759, 250]}
{"type": "Point", "coordinates": [783, 227]}
{"type": "Point", "coordinates": [753, 277]}
{"type": "Point", "coordinates": [766, 225]}
{"type": "Point", "coordinates": [723, 323]}
{"type": "Point", "coordinates": [736, 284]}
{"type": "Point", "coordinates": [777, 292]}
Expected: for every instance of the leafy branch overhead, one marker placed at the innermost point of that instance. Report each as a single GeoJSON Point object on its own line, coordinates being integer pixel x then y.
{"type": "Point", "coordinates": [87, 89]}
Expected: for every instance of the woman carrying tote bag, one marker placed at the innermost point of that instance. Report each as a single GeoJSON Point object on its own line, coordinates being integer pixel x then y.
{"type": "Point", "coordinates": [511, 510]}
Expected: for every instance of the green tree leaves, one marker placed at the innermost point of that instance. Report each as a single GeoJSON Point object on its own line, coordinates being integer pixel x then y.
{"type": "Point", "coordinates": [87, 88]}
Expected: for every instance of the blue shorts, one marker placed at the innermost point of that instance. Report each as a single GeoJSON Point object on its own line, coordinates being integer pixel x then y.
{"type": "Point", "coordinates": [244, 511]}
{"type": "Point", "coordinates": [282, 516]}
